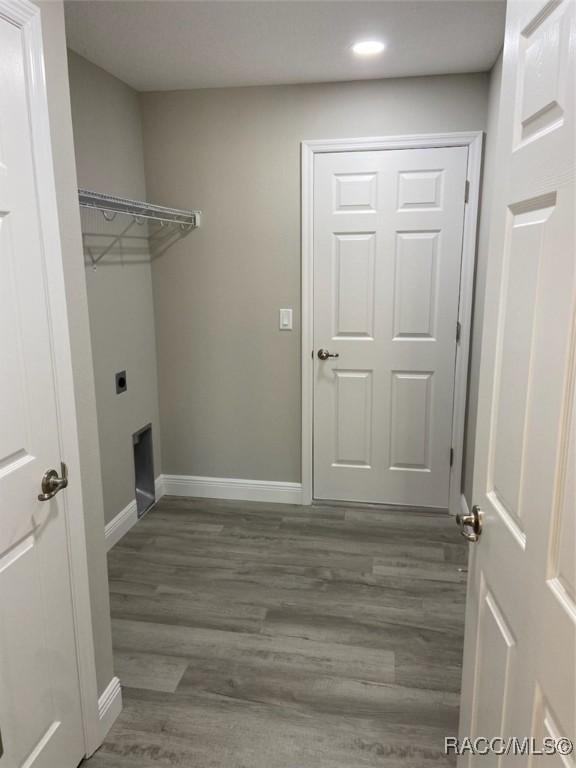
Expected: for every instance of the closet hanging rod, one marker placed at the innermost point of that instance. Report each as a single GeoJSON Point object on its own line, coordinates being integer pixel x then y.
{"type": "Point", "coordinates": [138, 209]}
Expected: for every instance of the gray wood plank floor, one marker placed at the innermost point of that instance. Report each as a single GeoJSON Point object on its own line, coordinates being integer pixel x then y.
{"type": "Point", "coordinates": [251, 635]}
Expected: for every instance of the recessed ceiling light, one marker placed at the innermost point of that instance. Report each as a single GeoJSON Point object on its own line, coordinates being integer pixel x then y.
{"type": "Point", "coordinates": [368, 47]}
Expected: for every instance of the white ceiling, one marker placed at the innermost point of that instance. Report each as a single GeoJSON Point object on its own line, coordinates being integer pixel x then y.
{"type": "Point", "coordinates": [165, 45]}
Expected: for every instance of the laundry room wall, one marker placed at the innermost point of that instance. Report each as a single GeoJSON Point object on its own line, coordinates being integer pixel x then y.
{"type": "Point", "coordinates": [229, 379]}
{"type": "Point", "coordinates": [109, 159]}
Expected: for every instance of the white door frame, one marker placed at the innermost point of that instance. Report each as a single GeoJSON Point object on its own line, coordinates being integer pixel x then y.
{"type": "Point", "coordinates": [26, 16]}
{"type": "Point", "coordinates": [471, 139]}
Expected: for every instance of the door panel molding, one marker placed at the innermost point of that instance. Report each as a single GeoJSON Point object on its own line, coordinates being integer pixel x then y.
{"type": "Point", "coordinates": [420, 193]}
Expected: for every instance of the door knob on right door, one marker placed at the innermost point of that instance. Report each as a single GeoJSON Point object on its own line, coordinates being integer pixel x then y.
{"type": "Point", "coordinates": [471, 524]}
{"type": "Point", "coordinates": [323, 354]}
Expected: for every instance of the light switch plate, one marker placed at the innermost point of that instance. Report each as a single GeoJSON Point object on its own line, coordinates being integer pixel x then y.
{"type": "Point", "coordinates": [285, 319]}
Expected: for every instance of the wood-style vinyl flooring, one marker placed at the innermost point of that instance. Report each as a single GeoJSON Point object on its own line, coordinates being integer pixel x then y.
{"type": "Point", "coordinates": [252, 635]}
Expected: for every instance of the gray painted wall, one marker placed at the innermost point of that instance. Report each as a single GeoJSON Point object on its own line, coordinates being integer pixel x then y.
{"type": "Point", "coordinates": [109, 158]}
{"type": "Point", "coordinates": [488, 182]}
{"type": "Point", "coordinates": [77, 306]}
{"type": "Point", "coordinates": [229, 379]}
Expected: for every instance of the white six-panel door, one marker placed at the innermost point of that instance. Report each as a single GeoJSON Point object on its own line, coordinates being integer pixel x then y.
{"type": "Point", "coordinates": [388, 231]}
{"type": "Point", "coordinates": [40, 708]}
{"type": "Point", "coordinates": [520, 646]}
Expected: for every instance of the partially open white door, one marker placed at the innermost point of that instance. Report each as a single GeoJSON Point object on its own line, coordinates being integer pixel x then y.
{"type": "Point", "coordinates": [40, 706]}
{"type": "Point", "coordinates": [520, 652]}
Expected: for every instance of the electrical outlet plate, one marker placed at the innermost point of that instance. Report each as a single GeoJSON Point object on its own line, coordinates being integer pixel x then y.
{"type": "Point", "coordinates": [121, 382]}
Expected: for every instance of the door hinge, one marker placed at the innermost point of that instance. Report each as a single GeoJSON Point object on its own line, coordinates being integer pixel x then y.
{"type": "Point", "coordinates": [451, 456]}
{"type": "Point", "coordinates": [466, 191]}
{"type": "Point", "coordinates": [458, 331]}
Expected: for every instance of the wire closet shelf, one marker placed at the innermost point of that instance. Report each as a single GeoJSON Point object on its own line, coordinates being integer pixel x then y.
{"type": "Point", "coordinates": [140, 212]}
{"type": "Point", "coordinates": [110, 206]}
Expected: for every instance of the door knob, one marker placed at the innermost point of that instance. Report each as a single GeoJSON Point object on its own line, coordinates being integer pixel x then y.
{"type": "Point", "coordinates": [51, 483]}
{"type": "Point", "coordinates": [323, 354]}
{"type": "Point", "coordinates": [470, 524]}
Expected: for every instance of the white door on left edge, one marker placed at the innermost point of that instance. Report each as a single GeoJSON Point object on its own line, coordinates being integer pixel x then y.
{"type": "Point", "coordinates": [40, 709]}
{"type": "Point", "coordinates": [388, 230]}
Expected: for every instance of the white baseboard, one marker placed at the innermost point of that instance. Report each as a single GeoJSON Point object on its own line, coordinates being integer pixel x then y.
{"type": "Point", "coordinates": [159, 487]}
{"type": "Point", "coordinates": [126, 518]}
{"type": "Point", "coordinates": [109, 706]}
{"type": "Point", "coordinates": [206, 488]}
{"type": "Point", "coordinates": [229, 488]}
{"type": "Point", "coordinates": [121, 524]}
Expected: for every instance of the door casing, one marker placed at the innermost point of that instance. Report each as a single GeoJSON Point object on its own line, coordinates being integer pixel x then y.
{"type": "Point", "coordinates": [26, 16]}
{"type": "Point", "coordinates": [309, 149]}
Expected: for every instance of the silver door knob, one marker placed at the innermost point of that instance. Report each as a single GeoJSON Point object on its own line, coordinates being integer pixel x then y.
{"type": "Point", "coordinates": [51, 483]}
{"type": "Point", "coordinates": [323, 354]}
{"type": "Point", "coordinates": [471, 524]}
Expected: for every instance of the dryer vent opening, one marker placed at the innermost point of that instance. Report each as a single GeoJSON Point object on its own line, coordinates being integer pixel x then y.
{"type": "Point", "coordinates": [144, 469]}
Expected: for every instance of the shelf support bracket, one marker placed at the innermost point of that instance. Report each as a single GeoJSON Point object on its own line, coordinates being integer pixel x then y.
{"type": "Point", "coordinates": [116, 239]}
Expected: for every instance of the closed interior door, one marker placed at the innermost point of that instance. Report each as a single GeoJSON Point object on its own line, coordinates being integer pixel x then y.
{"type": "Point", "coordinates": [40, 708]}
{"type": "Point", "coordinates": [520, 642]}
{"type": "Point", "coordinates": [387, 257]}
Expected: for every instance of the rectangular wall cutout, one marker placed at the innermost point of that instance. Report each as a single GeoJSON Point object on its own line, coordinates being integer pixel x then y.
{"type": "Point", "coordinates": [144, 469]}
